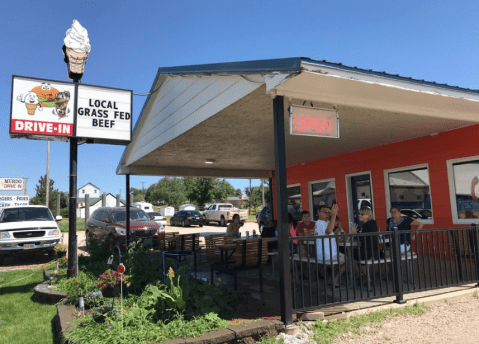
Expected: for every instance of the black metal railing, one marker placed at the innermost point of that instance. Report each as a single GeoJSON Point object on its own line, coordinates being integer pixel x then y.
{"type": "Point", "coordinates": [372, 265]}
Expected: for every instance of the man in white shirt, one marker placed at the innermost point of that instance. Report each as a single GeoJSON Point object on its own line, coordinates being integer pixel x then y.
{"type": "Point", "coordinates": [329, 255]}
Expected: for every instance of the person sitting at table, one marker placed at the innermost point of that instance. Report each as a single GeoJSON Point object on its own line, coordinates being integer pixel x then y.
{"type": "Point", "coordinates": [305, 228]}
{"type": "Point", "coordinates": [330, 255]}
{"type": "Point", "coordinates": [402, 223]}
{"type": "Point", "coordinates": [368, 244]}
{"type": "Point", "coordinates": [233, 228]}
{"type": "Point", "coordinates": [270, 232]}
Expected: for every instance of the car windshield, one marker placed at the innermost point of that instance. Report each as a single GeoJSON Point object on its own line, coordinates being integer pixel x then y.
{"type": "Point", "coordinates": [135, 215]}
{"type": "Point", "coordinates": [26, 214]}
{"type": "Point", "coordinates": [154, 213]}
{"type": "Point", "coordinates": [193, 213]}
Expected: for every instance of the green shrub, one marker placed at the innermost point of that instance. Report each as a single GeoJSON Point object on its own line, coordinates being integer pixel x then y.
{"type": "Point", "coordinates": [64, 213]}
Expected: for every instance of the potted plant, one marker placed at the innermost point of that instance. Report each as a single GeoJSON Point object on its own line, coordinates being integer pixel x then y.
{"type": "Point", "coordinates": [61, 250]}
{"type": "Point", "coordinates": [109, 283]}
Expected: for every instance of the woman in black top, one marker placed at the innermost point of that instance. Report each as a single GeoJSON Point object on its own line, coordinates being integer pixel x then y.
{"type": "Point", "coordinates": [402, 223]}
{"type": "Point", "coordinates": [369, 245]}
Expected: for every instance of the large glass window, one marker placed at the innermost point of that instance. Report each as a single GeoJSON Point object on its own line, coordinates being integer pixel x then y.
{"type": "Point", "coordinates": [322, 193]}
{"type": "Point", "coordinates": [294, 201]}
{"type": "Point", "coordinates": [464, 189]}
{"type": "Point", "coordinates": [410, 190]}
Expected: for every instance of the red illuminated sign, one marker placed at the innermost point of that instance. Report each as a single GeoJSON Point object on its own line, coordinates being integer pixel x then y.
{"type": "Point", "coordinates": [313, 121]}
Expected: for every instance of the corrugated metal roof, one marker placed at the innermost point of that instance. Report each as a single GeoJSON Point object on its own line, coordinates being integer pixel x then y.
{"type": "Point", "coordinates": [292, 65]}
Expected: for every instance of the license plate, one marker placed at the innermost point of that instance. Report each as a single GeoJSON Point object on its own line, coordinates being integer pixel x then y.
{"type": "Point", "coordinates": [28, 246]}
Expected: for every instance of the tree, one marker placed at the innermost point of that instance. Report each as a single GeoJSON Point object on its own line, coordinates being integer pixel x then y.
{"type": "Point", "coordinates": [40, 190]}
{"type": "Point", "coordinates": [168, 189]}
{"type": "Point", "coordinates": [138, 198]}
{"type": "Point", "coordinates": [206, 190]}
{"type": "Point", "coordinates": [255, 195]}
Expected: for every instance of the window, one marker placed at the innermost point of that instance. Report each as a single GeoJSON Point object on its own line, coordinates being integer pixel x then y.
{"type": "Point", "coordinates": [410, 189]}
{"type": "Point", "coordinates": [322, 192]}
{"type": "Point", "coordinates": [83, 191]}
{"type": "Point", "coordinates": [463, 175]}
{"type": "Point", "coordinates": [96, 191]}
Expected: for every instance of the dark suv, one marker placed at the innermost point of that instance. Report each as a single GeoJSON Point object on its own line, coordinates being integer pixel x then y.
{"type": "Point", "coordinates": [110, 223]}
{"type": "Point", "coordinates": [265, 215]}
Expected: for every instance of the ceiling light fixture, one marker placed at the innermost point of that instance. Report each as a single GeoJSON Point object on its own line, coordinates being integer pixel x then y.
{"type": "Point", "coordinates": [209, 161]}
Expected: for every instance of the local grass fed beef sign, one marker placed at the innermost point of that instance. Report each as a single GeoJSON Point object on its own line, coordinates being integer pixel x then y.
{"type": "Point", "coordinates": [103, 113]}
{"type": "Point", "coordinates": [55, 110]}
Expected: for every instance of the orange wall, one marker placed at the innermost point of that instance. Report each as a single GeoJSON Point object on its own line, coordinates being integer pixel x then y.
{"type": "Point", "coordinates": [433, 150]}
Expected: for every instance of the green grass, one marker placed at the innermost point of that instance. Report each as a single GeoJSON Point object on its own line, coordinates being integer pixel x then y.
{"type": "Point", "coordinates": [328, 332]}
{"type": "Point", "coordinates": [22, 320]}
{"type": "Point", "coordinates": [64, 225]}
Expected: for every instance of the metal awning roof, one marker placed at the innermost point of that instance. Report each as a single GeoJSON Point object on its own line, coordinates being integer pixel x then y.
{"type": "Point", "coordinates": [222, 113]}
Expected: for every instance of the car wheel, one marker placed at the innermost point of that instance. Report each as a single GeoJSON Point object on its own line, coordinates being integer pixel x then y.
{"type": "Point", "coordinates": [2, 256]}
{"type": "Point", "coordinates": [171, 223]}
{"type": "Point", "coordinates": [201, 225]}
{"type": "Point", "coordinates": [222, 222]}
{"type": "Point", "coordinates": [182, 223]}
{"type": "Point", "coordinates": [204, 221]}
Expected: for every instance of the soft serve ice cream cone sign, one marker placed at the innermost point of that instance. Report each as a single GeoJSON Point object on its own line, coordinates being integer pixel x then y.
{"type": "Point", "coordinates": [56, 110]}
{"type": "Point", "coordinates": [76, 47]}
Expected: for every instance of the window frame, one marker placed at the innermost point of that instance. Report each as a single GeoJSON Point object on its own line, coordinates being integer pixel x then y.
{"type": "Point", "coordinates": [310, 194]}
{"type": "Point", "coordinates": [452, 189]}
{"type": "Point", "coordinates": [349, 193]}
{"type": "Point", "coordinates": [403, 169]}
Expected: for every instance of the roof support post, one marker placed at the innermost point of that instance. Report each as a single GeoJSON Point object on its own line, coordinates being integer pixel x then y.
{"type": "Point", "coordinates": [282, 212]}
{"type": "Point", "coordinates": [128, 205]}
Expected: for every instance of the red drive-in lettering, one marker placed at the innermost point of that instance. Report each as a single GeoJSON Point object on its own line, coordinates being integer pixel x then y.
{"type": "Point", "coordinates": [39, 127]}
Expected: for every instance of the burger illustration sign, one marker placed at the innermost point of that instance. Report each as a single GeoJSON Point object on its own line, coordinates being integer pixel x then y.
{"type": "Point", "coordinates": [56, 110]}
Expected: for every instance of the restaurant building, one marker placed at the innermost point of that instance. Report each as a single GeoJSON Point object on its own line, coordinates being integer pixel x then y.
{"type": "Point", "coordinates": [399, 140]}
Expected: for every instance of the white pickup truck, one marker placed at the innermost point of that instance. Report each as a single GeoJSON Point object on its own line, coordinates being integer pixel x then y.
{"type": "Point", "coordinates": [28, 227]}
{"type": "Point", "coordinates": [223, 213]}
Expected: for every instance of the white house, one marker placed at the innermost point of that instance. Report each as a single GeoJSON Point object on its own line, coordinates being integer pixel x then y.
{"type": "Point", "coordinates": [167, 210]}
{"type": "Point", "coordinates": [187, 207]}
{"type": "Point", "coordinates": [94, 205]}
{"type": "Point", "coordinates": [89, 189]}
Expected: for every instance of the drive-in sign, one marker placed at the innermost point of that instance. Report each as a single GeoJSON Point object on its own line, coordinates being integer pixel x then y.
{"type": "Point", "coordinates": [11, 184]}
{"type": "Point", "coordinates": [56, 110]}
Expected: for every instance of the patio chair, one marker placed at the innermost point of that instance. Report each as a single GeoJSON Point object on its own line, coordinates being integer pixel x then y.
{"type": "Point", "coordinates": [461, 245]}
{"type": "Point", "coordinates": [249, 254]}
{"type": "Point", "coordinates": [213, 253]}
{"type": "Point", "coordinates": [164, 244]}
{"type": "Point", "coordinates": [187, 242]}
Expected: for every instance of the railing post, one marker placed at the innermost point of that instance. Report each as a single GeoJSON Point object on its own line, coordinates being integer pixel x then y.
{"type": "Point", "coordinates": [397, 266]}
{"type": "Point", "coordinates": [476, 250]}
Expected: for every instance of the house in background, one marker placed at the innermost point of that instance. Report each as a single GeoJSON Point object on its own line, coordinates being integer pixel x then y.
{"type": "Point", "coordinates": [96, 203]}
{"type": "Point", "coordinates": [89, 189]}
{"type": "Point", "coordinates": [237, 201]}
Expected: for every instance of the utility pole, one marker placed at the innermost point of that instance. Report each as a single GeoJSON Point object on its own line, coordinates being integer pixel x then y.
{"type": "Point", "coordinates": [26, 184]}
{"type": "Point", "coordinates": [47, 181]}
{"type": "Point", "coordinates": [143, 186]}
{"type": "Point", "coordinates": [262, 193]}
{"type": "Point", "coordinates": [250, 194]}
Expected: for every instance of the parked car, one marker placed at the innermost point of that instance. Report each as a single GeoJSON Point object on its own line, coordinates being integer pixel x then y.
{"type": "Point", "coordinates": [411, 213]}
{"type": "Point", "coordinates": [425, 213]}
{"type": "Point", "coordinates": [110, 223]}
{"type": "Point", "coordinates": [158, 218]}
{"type": "Point", "coordinates": [187, 218]}
{"type": "Point", "coordinates": [223, 213]}
{"type": "Point", "coordinates": [265, 215]}
{"type": "Point", "coordinates": [28, 228]}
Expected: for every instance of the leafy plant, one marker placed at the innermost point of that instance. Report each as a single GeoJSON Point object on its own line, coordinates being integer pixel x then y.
{"type": "Point", "coordinates": [76, 286]}
{"type": "Point", "coordinates": [60, 248]}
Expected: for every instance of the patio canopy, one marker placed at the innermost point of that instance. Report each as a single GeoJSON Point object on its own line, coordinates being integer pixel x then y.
{"type": "Point", "coordinates": [216, 120]}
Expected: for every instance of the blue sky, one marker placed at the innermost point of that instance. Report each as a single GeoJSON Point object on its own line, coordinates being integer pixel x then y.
{"type": "Point", "coordinates": [431, 40]}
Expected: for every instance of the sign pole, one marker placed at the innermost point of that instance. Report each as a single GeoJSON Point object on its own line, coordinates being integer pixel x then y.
{"type": "Point", "coordinates": [72, 270]}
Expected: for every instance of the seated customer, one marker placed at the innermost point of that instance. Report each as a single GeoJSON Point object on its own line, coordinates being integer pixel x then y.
{"type": "Point", "coordinates": [270, 232]}
{"type": "Point", "coordinates": [305, 228]}
{"type": "Point", "coordinates": [368, 245]}
{"type": "Point", "coordinates": [330, 254]}
{"type": "Point", "coordinates": [233, 228]}
{"type": "Point", "coordinates": [292, 231]}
